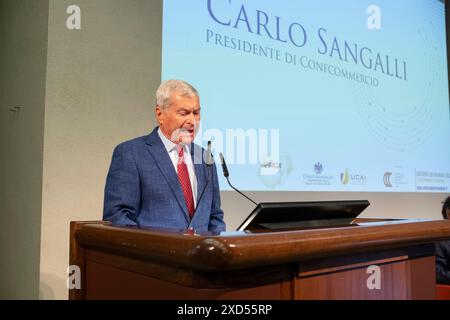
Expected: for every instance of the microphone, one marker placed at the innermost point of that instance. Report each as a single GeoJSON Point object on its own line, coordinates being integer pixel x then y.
{"type": "Point", "coordinates": [209, 162]}
{"type": "Point", "coordinates": [227, 174]}
{"type": "Point", "coordinates": [224, 168]}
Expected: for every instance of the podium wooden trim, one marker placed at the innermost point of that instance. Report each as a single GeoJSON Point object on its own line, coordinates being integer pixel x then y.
{"type": "Point", "coordinates": [331, 263]}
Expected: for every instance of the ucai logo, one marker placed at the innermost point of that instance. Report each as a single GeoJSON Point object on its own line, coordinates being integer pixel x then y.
{"type": "Point", "coordinates": [353, 178]}
{"type": "Point", "coordinates": [387, 179]}
{"type": "Point", "coordinates": [345, 177]}
{"type": "Point", "coordinates": [318, 168]}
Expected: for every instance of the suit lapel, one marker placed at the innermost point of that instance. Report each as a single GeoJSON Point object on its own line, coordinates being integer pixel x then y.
{"type": "Point", "coordinates": [164, 163]}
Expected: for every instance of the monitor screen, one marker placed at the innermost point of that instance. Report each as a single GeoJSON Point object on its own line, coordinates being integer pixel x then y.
{"type": "Point", "coordinates": [300, 215]}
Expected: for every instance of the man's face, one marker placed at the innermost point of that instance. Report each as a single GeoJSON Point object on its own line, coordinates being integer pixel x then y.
{"type": "Point", "coordinates": [180, 120]}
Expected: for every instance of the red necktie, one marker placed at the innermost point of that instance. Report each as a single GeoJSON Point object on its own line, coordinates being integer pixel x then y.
{"type": "Point", "coordinates": [183, 176]}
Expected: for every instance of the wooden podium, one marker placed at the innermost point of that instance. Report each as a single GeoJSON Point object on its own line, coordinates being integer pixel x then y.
{"type": "Point", "coordinates": [371, 260]}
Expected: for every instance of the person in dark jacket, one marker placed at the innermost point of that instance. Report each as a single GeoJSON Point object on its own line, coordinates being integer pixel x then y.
{"type": "Point", "coordinates": [443, 251]}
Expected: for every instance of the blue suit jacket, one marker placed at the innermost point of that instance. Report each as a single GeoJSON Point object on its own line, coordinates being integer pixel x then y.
{"type": "Point", "coordinates": [142, 188]}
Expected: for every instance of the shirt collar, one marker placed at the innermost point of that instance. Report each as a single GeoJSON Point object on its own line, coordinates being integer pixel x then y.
{"type": "Point", "coordinates": [169, 145]}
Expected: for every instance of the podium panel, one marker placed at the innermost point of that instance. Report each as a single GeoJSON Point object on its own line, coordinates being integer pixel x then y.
{"type": "Point", "coordinates": [370, 260]}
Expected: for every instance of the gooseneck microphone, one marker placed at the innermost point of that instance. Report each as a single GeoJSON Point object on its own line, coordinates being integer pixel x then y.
{"type": "Point", "coordinates": [208, 159]}
{"type": "Point", "coordinates": [227, 174]}
{"type": "Point", "coordinates": [209, 162]}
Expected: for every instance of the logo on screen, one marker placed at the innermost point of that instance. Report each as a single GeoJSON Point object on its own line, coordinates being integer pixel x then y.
{"type": "Point", "coordinates": [387, 179]}
{"type": "Point", "coordinates": [345, 177]}
{"type": "Point", "coordinates": [318, 168]}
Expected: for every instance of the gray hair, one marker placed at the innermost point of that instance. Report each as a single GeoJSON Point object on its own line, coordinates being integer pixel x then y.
{"type": "Point", "coordinates": [169, 87]}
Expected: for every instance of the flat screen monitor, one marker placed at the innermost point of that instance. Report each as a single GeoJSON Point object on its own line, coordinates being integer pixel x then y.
{"type": "Point", "coordinates": [303, 215]}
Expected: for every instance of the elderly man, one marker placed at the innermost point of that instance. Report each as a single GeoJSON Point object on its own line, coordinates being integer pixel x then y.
{"type": "Point", "coordinates": [161, 180]}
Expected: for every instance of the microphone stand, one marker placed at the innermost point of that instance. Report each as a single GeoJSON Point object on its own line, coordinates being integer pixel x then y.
{"type": "Point", "coordinates": [226, 174]}
{"type": "Point", "coordinates": [239, 191]}
{"type": "Point", "coordinates": [209, 162]}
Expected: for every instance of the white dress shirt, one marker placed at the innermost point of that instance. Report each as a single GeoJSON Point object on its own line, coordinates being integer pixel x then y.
{"type": "Point", "coordinates": [173, 154]}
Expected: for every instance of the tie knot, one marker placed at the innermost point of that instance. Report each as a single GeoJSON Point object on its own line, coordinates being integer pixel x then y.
{"type": "Point", "coordinates": [180, 151]}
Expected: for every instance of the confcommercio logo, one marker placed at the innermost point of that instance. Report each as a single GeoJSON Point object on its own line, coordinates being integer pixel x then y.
{"type": "Point", "coordinates": [318, 179]}
{"type": "Point", "coordinates": [318, 168]}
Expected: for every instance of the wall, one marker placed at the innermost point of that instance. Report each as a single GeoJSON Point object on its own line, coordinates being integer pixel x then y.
{"type": "Point", "coordinates": [100, 86]}
{"type": "Point", "coordinates": [23, 43]}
